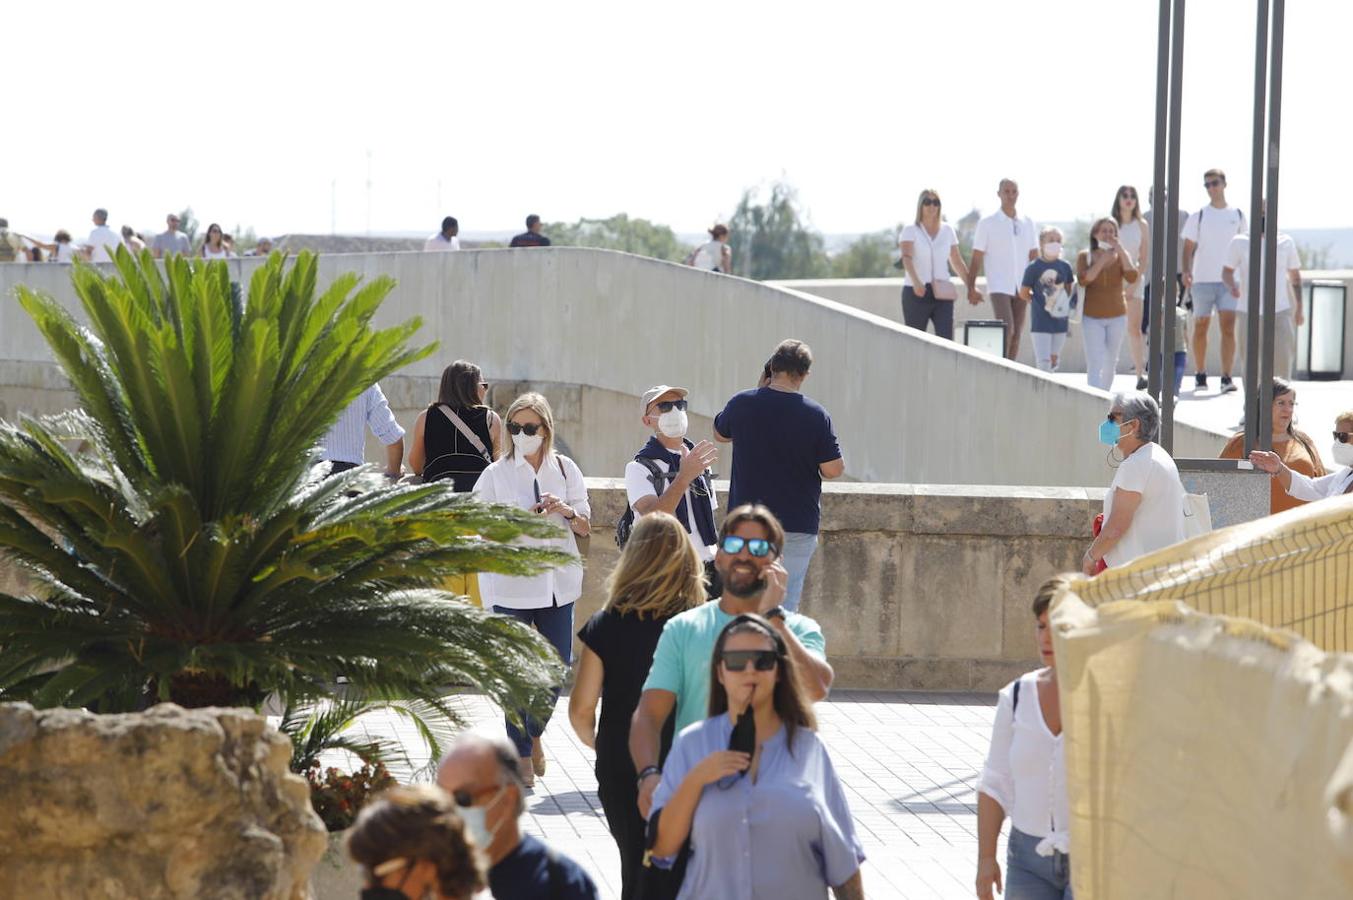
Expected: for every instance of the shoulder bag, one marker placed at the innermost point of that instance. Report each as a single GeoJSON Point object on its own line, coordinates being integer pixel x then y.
{"type": "Point", "coordinates": [940, 288]}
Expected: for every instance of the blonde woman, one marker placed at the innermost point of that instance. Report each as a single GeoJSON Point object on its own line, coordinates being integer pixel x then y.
{"type": "Point", "coordinates": [531, 475]}
{"type": "Point", "coordinates": [929, 247]}
{"type": "Point", "coordinates": [659, 575]}
{"type": "Point", "coordinates": [1134, 234]}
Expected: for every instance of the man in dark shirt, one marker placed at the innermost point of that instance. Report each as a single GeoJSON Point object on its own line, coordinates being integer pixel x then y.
{"type": "Point", "coordinates": [480, 773]}
{"type": "Point", "coordinates": [531, 237]}
{"type": "Point", "coordinates": [783, 446]}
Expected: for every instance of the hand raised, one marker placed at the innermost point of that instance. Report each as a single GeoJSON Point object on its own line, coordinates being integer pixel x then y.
{"type": "Point", "coordinates": [720, 764]}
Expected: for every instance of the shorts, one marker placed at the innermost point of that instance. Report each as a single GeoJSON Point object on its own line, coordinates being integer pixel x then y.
{"type": "Point", "coordinates": [1209, 295]}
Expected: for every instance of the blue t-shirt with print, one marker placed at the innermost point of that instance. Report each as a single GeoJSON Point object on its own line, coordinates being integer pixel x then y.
{"type": "Point", "coordinates": [1041, 277]}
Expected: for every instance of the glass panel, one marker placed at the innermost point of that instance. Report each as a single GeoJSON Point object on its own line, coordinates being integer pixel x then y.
{"type": "Point", "coordinates": [986, 338]}
{"type": "Point", "coordinates": [1304, 339]}
{"type": "Point", "coordinates": [1327, 329]}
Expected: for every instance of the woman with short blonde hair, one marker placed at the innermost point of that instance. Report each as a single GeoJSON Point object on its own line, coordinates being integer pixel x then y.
{"type": "Point", "coordinates": [658, 576]}
{"type": "Point", "coordinates": [531, 475]}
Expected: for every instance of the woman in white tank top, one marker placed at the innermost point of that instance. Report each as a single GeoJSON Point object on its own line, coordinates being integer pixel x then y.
{"type": "Point", "coordinates": [215, 247]}
{"type": "Point", "coordinates": [1134, 236]}
{"type": "Point", "coordinates": [714, 255]}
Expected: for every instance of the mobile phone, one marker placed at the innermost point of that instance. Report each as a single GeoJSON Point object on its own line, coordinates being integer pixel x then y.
{"type": "Point", "coordinates": [535, 488]}
{"type": "Point", "coordinates": [743, 738]}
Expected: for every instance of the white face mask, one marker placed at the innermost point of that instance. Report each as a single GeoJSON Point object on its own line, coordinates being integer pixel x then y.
{"type": "Point", "coordinates": [527, 444]}
{"type": "Point", "coordinates": [1052, 249]}
{"type": "Point", "coordinates": [476, 819]}
{"type": "Point", "coordinates": [673, 423]}
{"type": "Point", "coordinates": [1342, 453]}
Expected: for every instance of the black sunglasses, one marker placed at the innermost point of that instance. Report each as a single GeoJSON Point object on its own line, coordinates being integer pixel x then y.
{"type": "Point", "coordinates": [1342, 436]}
{"type": "Point", "coordinates": [761, 660]}
{"type": "Point", "coordinates": [1211, 184]}
{"type": "Point", "coordinates": [758, 547]}
{"type": "Point", "coordinates": [1129, 195]}
{"type": "Point", "coordinates": [530, 430]}
{"type": "Point", "coordinates": [930, 201]}
{"type": "Point", "coordinates": [484, 384]}
{"type": "Point", "coordinates": [669, 405]}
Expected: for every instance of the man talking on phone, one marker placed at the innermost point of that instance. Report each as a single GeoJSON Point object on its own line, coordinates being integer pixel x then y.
{"type": "Point", "coordinates": [748, 561]}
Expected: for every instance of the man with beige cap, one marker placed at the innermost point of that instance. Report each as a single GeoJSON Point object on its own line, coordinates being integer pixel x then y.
{"type": "Point", "coordinates": [671, 474]}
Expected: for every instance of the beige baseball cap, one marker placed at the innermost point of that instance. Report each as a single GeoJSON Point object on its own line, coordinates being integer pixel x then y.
{"type": "Point", "coordinates": [657, 391]}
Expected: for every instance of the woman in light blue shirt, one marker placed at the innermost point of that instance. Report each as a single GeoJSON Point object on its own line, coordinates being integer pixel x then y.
{"type": "Point", "coordinates": [772, 823]}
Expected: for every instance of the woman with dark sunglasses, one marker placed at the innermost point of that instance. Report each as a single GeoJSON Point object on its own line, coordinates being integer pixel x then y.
{"type": "Point", "coordinates": [769, 817]}
{"type": "Point", "coordinates": [1134, 236]}
{"type": "Point", "coordinates": [1338, 482]}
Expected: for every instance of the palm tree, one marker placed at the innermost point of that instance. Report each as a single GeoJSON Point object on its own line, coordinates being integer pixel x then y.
{"type": "Point", "coordinates": [190, 550]}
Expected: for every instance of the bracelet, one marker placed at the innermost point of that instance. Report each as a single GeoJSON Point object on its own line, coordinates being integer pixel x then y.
{"type": "Point", "coordinates": [645, 772]}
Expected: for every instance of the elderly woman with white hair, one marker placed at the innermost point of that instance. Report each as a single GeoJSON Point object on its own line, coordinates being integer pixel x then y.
{"type": "Point", "coordinates": [1144, 508]}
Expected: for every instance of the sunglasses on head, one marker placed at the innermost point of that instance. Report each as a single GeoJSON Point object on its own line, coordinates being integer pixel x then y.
{"type": "Point", "coordinates": [761, 660]}
{"type": "Point", "coordinates": [732, 545]}
{"type": "Point", "coordinates": [1212, 183]}
{"type": "Point", "coordinates": [930, 201]}
{"type": "Point", "coordinates": [1342, 436]}
{"type": "Point", "coordinates": [669, 405]}
{"type": "Point", "coordinates": [529, 429]}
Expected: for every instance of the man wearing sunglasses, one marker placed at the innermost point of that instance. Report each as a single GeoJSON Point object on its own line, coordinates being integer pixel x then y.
{"type": "Point", "coordinates": [671, 474]}
{"type": "Point", "coordinates": [1207, 235]}
{"type": "Point", "coordinates": [480, 774]}
{"type": "Point", "coordinates": [753, 582]}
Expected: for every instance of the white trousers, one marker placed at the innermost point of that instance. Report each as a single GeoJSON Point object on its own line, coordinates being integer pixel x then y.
{"type": "Point", "coordinates": [1103, 340]}
{"type": "Point", "coordinates": [1046, 346]}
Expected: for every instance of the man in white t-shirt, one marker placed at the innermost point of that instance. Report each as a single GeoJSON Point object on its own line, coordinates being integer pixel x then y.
{"type": "Point", "coordinates": [679, 481]}
{"type": "Point", "coordinates": [1207, 235]}
{"type": "Point", "coordinates": [446, 239]}
{"type": "Point", "coordinates": [1287, 311]}
{"type": "Point", "coordinates": [1004, 243]}
{"type": "Point", "coordinates": [102, 241]}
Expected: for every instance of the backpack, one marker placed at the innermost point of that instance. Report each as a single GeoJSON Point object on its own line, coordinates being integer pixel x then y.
{"type": "Point", "coordinates": [626, 523]}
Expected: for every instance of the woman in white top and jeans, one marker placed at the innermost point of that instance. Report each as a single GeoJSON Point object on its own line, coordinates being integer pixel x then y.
{"type": "Point", "coordinates": [1144, 507]}
{"type": "Point", "coordinates": [714, 255]}
{"type": "Point", "coordinates": [1134, 236]}
{"type": "Point", "coordinates": [532, 476]}
{"type": "Point", "coordinates": [1025, 778]}
{"type": "Point", "coordinates": [214, 247]}
{"type": "Point", "coordinates": [929, 247]}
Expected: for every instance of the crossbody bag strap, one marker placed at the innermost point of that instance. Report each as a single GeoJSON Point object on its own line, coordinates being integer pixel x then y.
{"type": "Point", "coordinates": [465, 430]}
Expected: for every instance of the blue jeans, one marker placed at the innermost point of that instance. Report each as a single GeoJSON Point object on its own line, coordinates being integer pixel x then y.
{"type": "Point", "coordinates": [556, 624]}
{"type": "Point", "coordinates": [796, 555]}
{"type": "Point", "coordinates": [1029, 876]}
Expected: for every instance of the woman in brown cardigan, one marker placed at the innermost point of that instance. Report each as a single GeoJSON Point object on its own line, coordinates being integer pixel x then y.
{"type": "Point", "coordinates": [1102, 271]}
{"type": "Point", "coordinates": [1293, 447]}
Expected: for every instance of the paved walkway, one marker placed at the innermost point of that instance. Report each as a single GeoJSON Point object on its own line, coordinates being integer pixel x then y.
{"type": "Point", "coordinates": [909, 762]}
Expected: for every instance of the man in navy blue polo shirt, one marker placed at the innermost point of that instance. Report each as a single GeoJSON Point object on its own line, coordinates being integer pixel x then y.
{"type": "Point", "coordinates": [783, 446]}
{"type": "Point", "coordinates": [531, 237]}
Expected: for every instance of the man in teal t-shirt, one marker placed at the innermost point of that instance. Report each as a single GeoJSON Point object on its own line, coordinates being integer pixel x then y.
{"type": "Point", "coordinates": [679, 676]}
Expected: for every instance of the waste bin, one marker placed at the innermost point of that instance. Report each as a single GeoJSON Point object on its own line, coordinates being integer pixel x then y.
{"type": "Point", "coordinates": [987, 335]}
{"type": "Point", "coordinates": [1320, 339]}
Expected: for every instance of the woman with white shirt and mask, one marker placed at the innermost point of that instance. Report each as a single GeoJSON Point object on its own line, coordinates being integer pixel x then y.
{"type": "Point", "coordinates": [531, 475]}
{"type": "Point", "coordinates": [929, 246]}
{"type": "Point", "coordinates": [1025, 779]}
{"type": "Point", "coordinates": [1304, 487]}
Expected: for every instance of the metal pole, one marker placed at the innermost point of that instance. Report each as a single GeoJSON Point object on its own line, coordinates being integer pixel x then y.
{"type": "Point", "coordinates": [1172, 218]}
{"type": "Point", "coordinates": [1271, 276]}
{"type": "Point", "coordinates": [1253, 433]}
{"type": "Point", "coordinates": [1155, 352]}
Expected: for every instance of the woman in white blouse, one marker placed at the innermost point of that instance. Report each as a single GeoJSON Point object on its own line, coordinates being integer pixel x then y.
{"type": "Point", "coordinates": [531, 475]}
{"type": "Point", "coordinates": [1134, 236]}
{"type": "Point", "coordinates": [1303, 487]}
{"type": "Point", "coordinates": [215, 247]}
{"type": "Point", "coordinates": [929, 247]}
{"type": "Point", "coordinates": [1025, 778]}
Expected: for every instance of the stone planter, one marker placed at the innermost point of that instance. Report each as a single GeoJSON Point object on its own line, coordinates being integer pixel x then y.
{"type": "Point", "coordinates": [336, 877]}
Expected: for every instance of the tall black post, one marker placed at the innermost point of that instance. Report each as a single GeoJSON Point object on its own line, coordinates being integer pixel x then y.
{"type": "Point", "coordinates": [1172, 224]}
{"type": "Point", "coordinates": [1272, 278]}
{"type": "Point", "coordinates": [1255, 436]}
{"type": "Point", "coordinates": [1156, 354]}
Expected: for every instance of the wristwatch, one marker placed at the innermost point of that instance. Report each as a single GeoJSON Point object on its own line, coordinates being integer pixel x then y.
{"type": "Point", "coordinates": [775, 612]}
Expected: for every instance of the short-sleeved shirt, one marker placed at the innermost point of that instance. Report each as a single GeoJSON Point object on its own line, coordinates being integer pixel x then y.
{"type": "Point", "coordinates": [929, 256]}
{"type": "Point", "coordinates": [681, 661]}
{"type": "Point", "coordinates": [104, 242]}
{"type": "Point", "coordinates": [1159, 520]}
{"type": "Point", "coordinates": [625, 644]}
{"type": "Point", "coordinates": [1212, 229]}
{"type": "Point", "coordinates": [440, 243]}
{"type": "Point", "coordinates": [530, 239]}
{"type": "Point", "coordinates": [779, 440]}
{"type": "Point", "coordinates": [525, 873]}
{"type": "Point", "coordinates": [788, 835]}
{"type": "Point", "coordinates": [1005, 243]}
{"type": "Point", "coordinates": [639, 484]}
{"type": "Point", "coordinates": [167, 242]}
{"type": "Point", "coordinates": [1238, 258]}
{"type": "Point", "coordinates": [1044, 278]}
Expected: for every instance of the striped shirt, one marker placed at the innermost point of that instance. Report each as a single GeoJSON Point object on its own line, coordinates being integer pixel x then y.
{"type": "Point", "coordinates": [346, 440]}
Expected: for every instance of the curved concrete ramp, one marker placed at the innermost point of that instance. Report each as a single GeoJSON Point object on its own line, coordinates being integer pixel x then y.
{"type": "Point", "coordinates": [908, 407]}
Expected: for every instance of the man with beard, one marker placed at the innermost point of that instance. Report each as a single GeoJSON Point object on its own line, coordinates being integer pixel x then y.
{"type": "Point", "coordinates": [748, 559]}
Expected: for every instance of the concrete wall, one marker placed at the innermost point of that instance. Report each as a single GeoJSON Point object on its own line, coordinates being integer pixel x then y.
{"type": "Point", "coordinates": [883, 297]}
{"type": "Point", "coordinates": [908, 407]}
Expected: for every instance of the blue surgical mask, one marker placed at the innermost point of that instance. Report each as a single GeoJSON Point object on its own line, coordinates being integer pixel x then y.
{"type": "Point", "coordinates": [1109, 432]}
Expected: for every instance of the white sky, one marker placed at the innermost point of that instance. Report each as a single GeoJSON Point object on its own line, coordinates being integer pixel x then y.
{"type": "Point", "coordinates": [251, 111]}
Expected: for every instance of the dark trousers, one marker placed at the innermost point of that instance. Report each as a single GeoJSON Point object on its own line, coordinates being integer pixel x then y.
{"type": "Point", "coordinates": [713, 581]}
{"type": "Point", "coordinates": [619, 797]}
{"type": "Point", "coordinates": [920, 310]}
{"type": "Point", "coordinates": [556, 624]}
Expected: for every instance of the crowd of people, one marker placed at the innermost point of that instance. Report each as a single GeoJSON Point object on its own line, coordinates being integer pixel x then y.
{"type": "Point", "coordinates": [102, 242]}
{"type": "Point", "coordinates": [1106, 289]}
